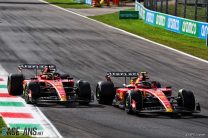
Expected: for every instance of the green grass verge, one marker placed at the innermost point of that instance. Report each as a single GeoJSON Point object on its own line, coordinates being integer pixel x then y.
{"type": "Point", "coordinates": [2, 124]}
{"type": "Point", "coordinates": [190, 45]}
{"type": "Point", "coordinates": [69, 4]}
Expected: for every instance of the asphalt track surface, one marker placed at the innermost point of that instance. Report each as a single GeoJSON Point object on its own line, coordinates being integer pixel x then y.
{"type": "Point", "coordinates": [34, 32]}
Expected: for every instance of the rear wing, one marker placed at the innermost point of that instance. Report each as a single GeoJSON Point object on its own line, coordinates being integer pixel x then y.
{"type": "Point", "coordinates": [36, 66]}
{"type": "Point", "coordinates": [121, 74]}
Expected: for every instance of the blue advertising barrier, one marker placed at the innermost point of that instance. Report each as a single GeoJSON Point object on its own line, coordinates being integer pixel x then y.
{"type": "Point", "coordinates": [203, 30]}
{"type": "Point", "coordinates": [150, 17]}
{"type": "Point", "coordinates": [88, 2]}
{"type": "Point", "coordinates": [172, 23]}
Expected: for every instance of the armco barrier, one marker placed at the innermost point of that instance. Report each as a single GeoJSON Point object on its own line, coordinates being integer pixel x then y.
{"type": "Point", "coordinates": [172, 23]}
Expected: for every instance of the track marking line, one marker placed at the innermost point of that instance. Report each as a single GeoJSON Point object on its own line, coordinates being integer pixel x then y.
{"type": "Point", "coordinates": [131, 34]}
{"type": "Point", "coordinates": [6, 95]}
{"type": "Point", "coordinates": [2, 86]}
{"type": "Point", "coordinates": [15, 104]}
{"type": "Point", "coordinates": [14, 109]}
{"type": "Point", "coordinates": [26, 121]}
{"type": "Point", "coordinates": [15, 115]}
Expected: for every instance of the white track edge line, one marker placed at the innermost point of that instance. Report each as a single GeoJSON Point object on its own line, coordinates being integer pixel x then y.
{"type": "Point", "coordinates": [42, 115]}
{"type": "Point", "coordinates": [131, 34]}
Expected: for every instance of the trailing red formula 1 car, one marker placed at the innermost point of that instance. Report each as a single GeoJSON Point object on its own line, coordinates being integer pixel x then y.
{"type": "Point", "coordinates": [48, 86]}
{"type": "Point", "coordinates": [143, 95]}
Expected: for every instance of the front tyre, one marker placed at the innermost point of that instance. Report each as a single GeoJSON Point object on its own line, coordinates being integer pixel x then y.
{"type": "Point", "coordinates": [133, 101]}
{"type": "Point", "coordinates": [128, 105]}
{"type": "Point", "coordinates": [186, 99]}
{"type": "Point", "coordinates": [84, 92]}
{"type": "Point", "coordinates": [105, 92]}
{"type": "Point", "coordinates": [32, 92]}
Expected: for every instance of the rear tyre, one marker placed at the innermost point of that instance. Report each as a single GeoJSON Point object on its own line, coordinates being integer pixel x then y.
{"type": "Point", "coordinates": [15, 84]}
{"type": "Point", "coordinates": [84, 92]}
{"type": "Point", "coordinates": [186, 99]}
{"type": "Point", "coordinates": [105, 92]}
{"type": "Point", "coordinates": [133, 96]}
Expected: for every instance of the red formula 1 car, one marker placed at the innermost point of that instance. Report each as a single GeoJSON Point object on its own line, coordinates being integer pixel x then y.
{"type": "Point", "coordinates": [143, 95]}
{"type": "Point", "coordinates": [48, 85]}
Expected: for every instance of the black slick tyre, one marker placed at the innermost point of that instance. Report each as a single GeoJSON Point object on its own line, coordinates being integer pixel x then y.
{"type": "Point", "coordinates": [186, 99]}
{"type": "Point", "coordinates": [137, 97]}
{"type": "Point", "coordinates": [105, 92]}
{"type": "Point", "coordinates": [84, 92]}
{"type": "Point", "coordinates": [33, 89]}
{"type": "Point", "coordinates": [15, 84]}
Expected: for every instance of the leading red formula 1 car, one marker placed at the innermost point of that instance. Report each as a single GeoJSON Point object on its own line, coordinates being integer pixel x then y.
{"type": "Point", "coordinates": [48, 85]}
{"type": "Point", "coordinates": [143, 95]}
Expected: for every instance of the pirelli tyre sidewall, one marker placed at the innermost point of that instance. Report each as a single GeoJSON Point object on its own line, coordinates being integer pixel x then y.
{"type": "Point", "coordinates": [84, 92]}
{"type": "Point", "coordinates": [15, 84]}
{"type": "Point", "coordinates": [186, 99]}
{"type": "Point", "coordinates": [137, 96]}
{"type": "Point", "coordinates": [105, 92]}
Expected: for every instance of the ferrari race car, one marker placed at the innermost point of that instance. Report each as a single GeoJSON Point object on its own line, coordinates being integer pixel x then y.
{"type": "Point", "coordinates": [48, 86]}
{"type": "Point", "coordinates": [143, 95]}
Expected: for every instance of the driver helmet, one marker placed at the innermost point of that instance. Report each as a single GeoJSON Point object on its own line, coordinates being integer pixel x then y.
{"type": "Point", "coordinates": [46, 69]}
